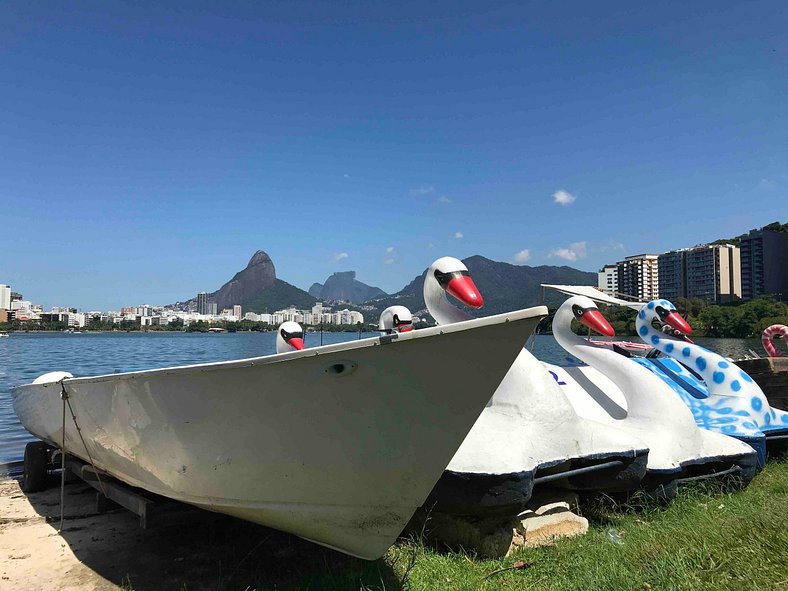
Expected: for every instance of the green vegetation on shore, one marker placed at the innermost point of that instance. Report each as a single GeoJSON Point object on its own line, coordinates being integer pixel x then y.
{"type": "Point", "coordinates": [740, 320]}
{"type": "Point", "coordinates": [737, 320]}
{"type": "Point", "coordinates": [250, 326]}
{"type": "Point", "coordinates": [176, 325]}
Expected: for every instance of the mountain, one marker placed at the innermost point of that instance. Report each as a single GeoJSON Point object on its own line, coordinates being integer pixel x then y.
{"type": "Point", "coordinates": [259, 275]}
{"type": "Point", "coordinates": [277, 297]}
{"type": "Point", "coordinates": [345, 287]}
{"type": "Point", "coordinates": [505, 287]}
{"type": "Point", "coordinates": [257, 289]}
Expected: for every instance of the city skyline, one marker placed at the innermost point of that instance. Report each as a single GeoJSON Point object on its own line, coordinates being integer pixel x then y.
{"type": "Point", "coordinates": [648, 278]}
{"type": "Point", "coordinates": [361, 137]}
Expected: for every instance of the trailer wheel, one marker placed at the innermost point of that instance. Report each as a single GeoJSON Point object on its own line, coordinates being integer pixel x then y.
{"type": "Point", "coordinates": [34, 478]}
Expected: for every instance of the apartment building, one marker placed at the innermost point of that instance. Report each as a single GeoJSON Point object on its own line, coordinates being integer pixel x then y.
{"type": "Point", "coordinates": [708, 271]}
{"type": "Point", "coordinates": [764, 263]}
{"type": "Point", "coordinates": [607, 280]}
{"type": "Point", "coordinates": [638, 276]}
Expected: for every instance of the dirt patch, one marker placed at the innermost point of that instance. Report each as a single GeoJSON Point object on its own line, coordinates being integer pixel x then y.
{"type": "Point", "coordinates": [108, 551]}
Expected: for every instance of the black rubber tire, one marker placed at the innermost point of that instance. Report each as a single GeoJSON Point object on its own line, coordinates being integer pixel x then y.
{"type": "Point", "coordinates": [34, 477]}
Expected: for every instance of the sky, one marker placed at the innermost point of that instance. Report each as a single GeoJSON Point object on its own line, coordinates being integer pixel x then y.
{"type": "Point", "coordinates": [148, 149]}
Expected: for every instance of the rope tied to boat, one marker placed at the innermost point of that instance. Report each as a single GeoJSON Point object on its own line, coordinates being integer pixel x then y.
{"type": "Point", "coordinates": [67, 402]}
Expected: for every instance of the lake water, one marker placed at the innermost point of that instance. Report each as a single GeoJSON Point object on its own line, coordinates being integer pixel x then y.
{"type": "Point", "coordinates": [25, 356]}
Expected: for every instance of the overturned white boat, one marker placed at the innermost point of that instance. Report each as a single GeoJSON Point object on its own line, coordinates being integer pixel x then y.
{"type": "Point", "coordinates": [337, 444]}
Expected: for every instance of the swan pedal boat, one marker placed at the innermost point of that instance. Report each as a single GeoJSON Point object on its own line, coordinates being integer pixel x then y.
{"type": "Point", "coordinates": [721, 397]}
{"type": "Point", "coordinates": [528, 435]}
{"type": "Point", "coordinates": [337, 444]}
{"type": "Point", "coordinates": [612, 389]}
{"type": "Point", "coordinates": [727, 399]}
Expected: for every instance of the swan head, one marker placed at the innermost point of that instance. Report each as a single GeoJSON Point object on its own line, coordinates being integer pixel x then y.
{"type": "Point", "coordinates": [586, 313]}
{"type": "Point", "coordinates": [396, 319]}
{"type": "Point", "coordinates": [667, 314]}
{"type": "Point", "coordinates": [453, 277]}
{"type": "Point", "coordinates": [290, 337]}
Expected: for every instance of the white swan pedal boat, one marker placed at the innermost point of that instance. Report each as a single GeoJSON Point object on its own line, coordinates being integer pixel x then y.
{"type": "Point", "coordinates": [528, 435]}
{"type": "Point", "coordinates": [337, 444]}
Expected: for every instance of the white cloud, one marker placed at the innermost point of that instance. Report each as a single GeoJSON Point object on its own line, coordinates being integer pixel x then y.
{"type": "Point", "coordinates": [611, 245]}
{"type": "Point", "coordinates": [444, 199]}
{"type": "Point", "coordinates": [575, 251]}
{"type": "Point", "coordinates": [563, 197]}
{"type": "Point", "coordinates": [767, 184]}
{"type": "Point", "coordinates": [347, 176]}
{"type": "Point", "coordinates": [523, 256]}
{"type": "Point", "coordinates": [458, 235]}
{"type": "Point", "coordinates": [390, 249]}
{"type": "Point", "coordinates": [430, 246]}
{"type": "Point", "coordinates": [340, 255]}
{"type": "Point", "coordinates": [390, 261]}
{"type": "Point", "coordinates": [421, 191]}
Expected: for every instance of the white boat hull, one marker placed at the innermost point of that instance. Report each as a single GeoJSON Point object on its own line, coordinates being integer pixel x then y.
{"type": "Point", "coordinates": [674, 441]}
{"type": "Point", "coordinates": [342, 458]}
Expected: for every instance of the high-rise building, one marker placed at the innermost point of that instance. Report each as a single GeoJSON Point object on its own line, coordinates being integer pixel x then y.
{"type": "Point", "coordinates": [638, 276]}
{"type": "Point", "coordinates": [237, 311]}
{"type": "Point", "coordinates": [672, 274]}
{"type": "Point", "coordinates": [5, 297]}
{"type": "Point", "coordinates": [707, 271]}
{"type": "Point", "coordinates": [213, 308]}
{"type": "Point", "coordinates": [764, 263]}
{"type": "Point", "coordinates": [714, 273]}
{"type": "Point", "coordinates": [607, 280]}
{"type": "Point", "coordinates": [202, 302]}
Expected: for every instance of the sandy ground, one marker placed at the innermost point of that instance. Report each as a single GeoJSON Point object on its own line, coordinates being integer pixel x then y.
{"type": "Point", "coordinates": [184, 549]}
{"type": "Point", "coordinates": [107, 551]}
{"type": "Point", "coordinates": [95, 551]}
{"type": "Point", "coordinates": [34, 556]}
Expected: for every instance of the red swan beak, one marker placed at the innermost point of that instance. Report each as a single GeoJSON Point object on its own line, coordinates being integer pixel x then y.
{"type": "Point", "coordinates": [464, 289]}
{"type": "Point", "coordinates": [296, 343]}
{"type": "Point", "coordinates": [675, 320]}
{"type": "Point", "coordinates": [594, 320]}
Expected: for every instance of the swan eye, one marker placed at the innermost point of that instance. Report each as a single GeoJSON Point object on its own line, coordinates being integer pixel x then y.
{"type": "Point", "coordinates": [444, 278]}
{"type": "Point", "coordinates": [579, 311]}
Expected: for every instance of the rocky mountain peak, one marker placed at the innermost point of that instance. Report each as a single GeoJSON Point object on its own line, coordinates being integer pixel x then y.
{"type": "Point", "coordinates": [261, 258]}
{"type": "Point", "coordinates": [258, 276]}
{"type": "Point", "coordinates": [344, 286]}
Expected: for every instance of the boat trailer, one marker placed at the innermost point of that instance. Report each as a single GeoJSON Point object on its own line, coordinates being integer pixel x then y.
{"type": "Point", "coordinates": [41, 458]}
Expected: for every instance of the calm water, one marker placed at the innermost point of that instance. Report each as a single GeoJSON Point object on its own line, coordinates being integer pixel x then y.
{"type": "Point", "coordinates": [23, 357]}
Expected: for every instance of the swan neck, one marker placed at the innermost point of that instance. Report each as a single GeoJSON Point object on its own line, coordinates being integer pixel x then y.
{"type": "Point", "coordinates": [706, 363]}
{"type": "Point", "coordinates": [606, 362]}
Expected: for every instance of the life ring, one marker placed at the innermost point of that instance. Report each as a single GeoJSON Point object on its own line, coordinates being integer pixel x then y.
{"type": "Point", "coordinates": [767, 339]}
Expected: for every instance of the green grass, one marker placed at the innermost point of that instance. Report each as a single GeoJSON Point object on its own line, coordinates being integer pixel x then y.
{"type": "Point", "coordinates": [705, 539]}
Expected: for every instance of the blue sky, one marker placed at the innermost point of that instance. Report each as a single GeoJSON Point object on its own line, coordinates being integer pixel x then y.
{"type": "Point", "coordinates": [146, 151]}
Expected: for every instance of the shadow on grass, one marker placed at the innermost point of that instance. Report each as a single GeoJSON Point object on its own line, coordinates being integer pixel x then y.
{"type": "Point", "coordinates": [604, 510]}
